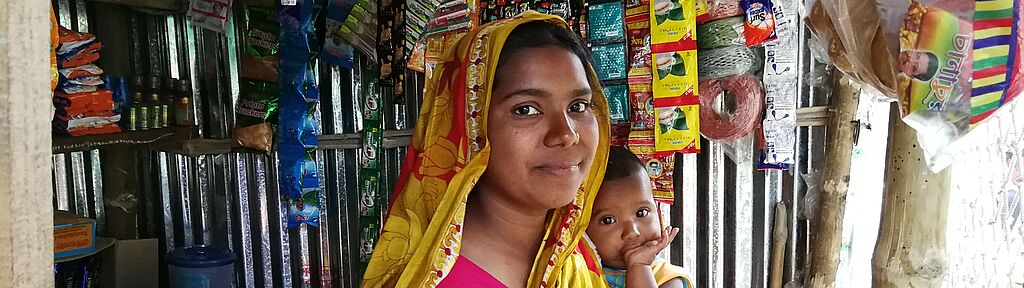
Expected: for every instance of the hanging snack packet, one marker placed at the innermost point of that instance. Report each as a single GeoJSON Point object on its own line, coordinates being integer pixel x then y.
{"type": "Point", "coordinates": [678, 128]}
{"type": "Point", "coordinates": [610, 61]}
{"type": "Point", "coordinates": [336, 51]}
{"type": "Point", "coordinates": [210, 14]}
{"type": "Point", "coordinates": [257, 109]}
{"type": "Point", "coordinates": [605, 22]}
{"type": "Point", "coordinates": [618, 102]}
{"type": "Point", "coordinates": [675, 75]}
{"type": "Point", "coordinates": [304, 210]}
{"type": "Point", "coordinates": [368, 204]}
{"type": "Point", "coordinates": [639, 27]}
{"type": "Point", "coordinates": [298, 170]}
{"type": "Point", "coordinates": [672, 25]}
{"type": "Point", "coordinates": [260, 60]}
{"type": "Point", "coordinates": [641, 100]}
{"type": "Point", "coordinates": [660, 166]}
{"type": "Point", "coordinates": [760, 22]}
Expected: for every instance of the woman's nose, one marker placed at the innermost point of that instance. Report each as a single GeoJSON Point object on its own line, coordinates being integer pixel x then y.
{"type": "Point", "coordinates": [561, 132]}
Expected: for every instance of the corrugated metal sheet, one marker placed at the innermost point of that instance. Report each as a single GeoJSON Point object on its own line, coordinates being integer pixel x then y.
{"type": "Point", "coordinates": [231, 200]}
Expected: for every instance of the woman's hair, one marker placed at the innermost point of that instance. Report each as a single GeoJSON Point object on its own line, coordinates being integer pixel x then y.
{"type": "Point", "coordinates": [622, 164]}
{"type": "Point", "coordinates": [539, 34]}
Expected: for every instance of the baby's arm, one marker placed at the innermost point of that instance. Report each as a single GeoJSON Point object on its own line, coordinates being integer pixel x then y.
{"type": "Point", "coordinates": [639, 259]}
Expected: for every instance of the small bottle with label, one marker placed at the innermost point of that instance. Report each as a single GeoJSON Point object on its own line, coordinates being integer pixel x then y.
{"type": "Point", "coordinates": [142, 113]}
{"type": "Point", "coordinates": [183, 114]}
{"type": "Point", "coordinates": [133, 112]}
{"type": "Point", "coordinates": [155, 111]}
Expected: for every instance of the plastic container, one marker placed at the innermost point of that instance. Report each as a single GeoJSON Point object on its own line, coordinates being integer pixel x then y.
{"type": "Point", "coordinates": [200, 267]}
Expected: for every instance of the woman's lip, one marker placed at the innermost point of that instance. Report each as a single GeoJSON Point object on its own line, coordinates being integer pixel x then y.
{"type": "Point", "coordinates": [559, 169]}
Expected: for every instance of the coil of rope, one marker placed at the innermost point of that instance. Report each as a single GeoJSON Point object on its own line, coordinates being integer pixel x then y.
{"type": "Point", "coordinates": [720, 33]}
{"type": "Point", "coordinates": [726, 61]}
{"type": "Point", "coordinates": [748, 93]}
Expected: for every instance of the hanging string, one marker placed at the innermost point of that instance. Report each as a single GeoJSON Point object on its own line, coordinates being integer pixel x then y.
{"type": "Point", "coordinates": [720, 33]}
{"type": "Point", "coordinates": [748, 93]}
{"type": "Point", "coordinates": [726, 61]}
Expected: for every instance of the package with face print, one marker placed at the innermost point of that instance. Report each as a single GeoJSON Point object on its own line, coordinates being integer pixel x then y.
{"type": "Point", "coordinates": [660, 166]}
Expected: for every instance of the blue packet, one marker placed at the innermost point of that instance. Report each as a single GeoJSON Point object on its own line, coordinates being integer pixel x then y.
{"type": "Point", "coordinates": [119, 86]}
{"type": "Point", "coordinates": [304, 210]}
{"type": "Point", "coordinates": [610, 61]}
{"type": "Point", "coordinates": [605, 22]}
{"type": "Point", "coordinates": [298, 169]}
{"type": "Point", "coordinates": [336, 51]}
{"type": "Point", "coordinates": [618, 102]}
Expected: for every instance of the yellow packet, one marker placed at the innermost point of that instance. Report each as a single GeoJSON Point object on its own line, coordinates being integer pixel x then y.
{"type": "Point", "coordinates": [702, 8]}
{"type": "Point", "coordinates": [675, 74]}
{"type": "Point", "coordinates": [678, 129]}
{"type": "Point", "coordinates": [673, 23]}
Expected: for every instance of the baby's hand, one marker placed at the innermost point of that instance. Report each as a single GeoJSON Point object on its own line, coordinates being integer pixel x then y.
{"type": "Point", "coordinates": [644, 254]}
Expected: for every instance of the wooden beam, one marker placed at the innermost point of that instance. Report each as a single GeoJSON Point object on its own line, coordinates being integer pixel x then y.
{"type": "Point", "coordinates": [911, 246]}
{"type": "Point", "coordinates": [780, 235]}
{"type": "Point", "coordinates": [826, 233]}
{"type": "Point", "coordinates": [26, 188]}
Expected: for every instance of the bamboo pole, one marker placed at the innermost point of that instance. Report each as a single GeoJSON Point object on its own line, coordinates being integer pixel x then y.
{"type": "Point", "coordinates": [780, 235]}
{"type": "Point", "coordinates": [911, 246]}
{"type": "Point", "coordinates": [826, 233]}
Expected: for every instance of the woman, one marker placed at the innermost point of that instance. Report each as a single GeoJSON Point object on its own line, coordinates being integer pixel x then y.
{"type": "Point", "coordinates": [498, 185]}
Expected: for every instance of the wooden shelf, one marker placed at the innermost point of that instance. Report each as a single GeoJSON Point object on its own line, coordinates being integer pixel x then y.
{"type": "Point", "coordinates": [64, 144]}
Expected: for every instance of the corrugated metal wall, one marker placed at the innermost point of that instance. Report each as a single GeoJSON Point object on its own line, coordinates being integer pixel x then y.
{"type": "Point", "coordinates": [725, 209]}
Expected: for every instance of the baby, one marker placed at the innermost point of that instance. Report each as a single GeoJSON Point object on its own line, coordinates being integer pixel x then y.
{"type": "Point", "coordinates": [626, 228]}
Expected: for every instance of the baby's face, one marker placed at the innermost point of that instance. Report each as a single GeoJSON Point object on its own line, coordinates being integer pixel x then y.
{"type": "Point", "coordinates": [625, 216]}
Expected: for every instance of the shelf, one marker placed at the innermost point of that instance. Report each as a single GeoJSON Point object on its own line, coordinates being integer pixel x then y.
{"type": "Point", "coordinates": [65, 144]}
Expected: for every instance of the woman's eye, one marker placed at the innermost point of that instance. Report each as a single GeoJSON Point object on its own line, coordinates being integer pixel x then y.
{"type": "Point", "coordinates": [643, 213]}
{"type": "Point", "coordinates": [526, 111]}
{"type": "Point", "coordinates": [579, 107]}
{"type": "Point", "coordinates": [607, 220]}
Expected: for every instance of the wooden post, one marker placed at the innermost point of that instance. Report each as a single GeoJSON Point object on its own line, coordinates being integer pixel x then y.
{"type": "Point", "coordinates": [826, 232]}
{"type": "Point", "coordinates": [780, 235]}
{"type": "Point", "coordinates": [26, 188]}
{"type": "Point", "coordinates": [911, 246]}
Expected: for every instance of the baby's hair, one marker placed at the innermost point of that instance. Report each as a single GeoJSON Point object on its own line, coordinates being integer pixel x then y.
{"type": "Point", "coordinates": [622, 164]}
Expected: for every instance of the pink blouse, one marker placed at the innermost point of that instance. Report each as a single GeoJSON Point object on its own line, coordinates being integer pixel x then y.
{"type": "Point", "coordinates": [465, 273]}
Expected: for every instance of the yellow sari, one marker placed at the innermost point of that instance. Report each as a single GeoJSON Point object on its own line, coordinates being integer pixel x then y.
{"type": "Point", "coordinates": [449, 152]}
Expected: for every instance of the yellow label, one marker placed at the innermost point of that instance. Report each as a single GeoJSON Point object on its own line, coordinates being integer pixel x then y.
{"type": "Point", "coordinates": [702, 7]}
{"type": "Point", "coordinates": [678, 129]}
{"type": "Point", "coordinates": [672, 25]}
{"type": "Point", "coordinates": [675, 74]}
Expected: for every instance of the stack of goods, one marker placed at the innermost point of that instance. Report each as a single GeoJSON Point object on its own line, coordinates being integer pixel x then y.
{"type": "Point", "coordinates": [449, 21]}
{"type": "Point", "coordinates": [337, 51]}
{"type": "Point", "coordinates": [778, 146]}
{"type": "Point", "coordinates": [83, 106]}
{"type": "Point", "coordinates": [257, 106]}
{"type": "Point", "coordinates": [607, 35]}
{"type": "Point", "coordinates": [298, 115]}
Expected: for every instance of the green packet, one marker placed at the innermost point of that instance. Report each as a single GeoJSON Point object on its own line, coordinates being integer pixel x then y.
{"type": "Point", "coordinates": [618, 102]}
{"type": "Point", "coordinates": [257, 103]}
{"type": "Point", "coordinates": [369, 188]}
{"type": "Point", "coordinates": [261, 32]}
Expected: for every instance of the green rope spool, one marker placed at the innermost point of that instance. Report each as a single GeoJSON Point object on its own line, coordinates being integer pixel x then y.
{"type": "Point", "coordinates": [720, 33]}
{"type": "Point", "coordinates": [726, 61]}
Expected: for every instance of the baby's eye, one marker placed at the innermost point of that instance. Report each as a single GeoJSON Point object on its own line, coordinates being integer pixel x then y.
{"type": "Point", "coordinates": [607, 220]}
{"type": "Point", "coordinates": [643, 212]}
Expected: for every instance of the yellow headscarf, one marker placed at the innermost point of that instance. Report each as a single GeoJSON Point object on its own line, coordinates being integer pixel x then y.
{"type": "Point", "coordinates": [423, 232]}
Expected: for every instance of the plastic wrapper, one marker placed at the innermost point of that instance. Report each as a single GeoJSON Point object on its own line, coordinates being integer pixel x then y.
{"type": "Point", "coordinates": [54, 43]}
{"type": "Point", "coordinates": [81, 71]}
{"type": "Point", "coordinates": [781, 71]}
{"type": "Point", "coordinates": [605, 22]}
{"type": "Point", "coordinates": [86, 121]}
{"type": "Point", "coordinates": [77, 89]}
{"type": "Point", "coordinates": [86, 55]}
{"type": "Point", "coordinates": [618, 102]}
{"type": "Point", "coordinates": [87, 81]}
{"type": "Point", "coordinates": [610, 61]}
{"type": "Point", "coordinates": [641, 99]}
{"type": "Point", "coordinates": [298, 170]}
{"type": "Point", "coordinates": [336, 51]}
{"type": "Point", "coordinates": [71, 42]}
{"type": "Point", "coordinates": [660, 166]}
{"type": "Point", "coordinates": [80, 103]}
{"type": "Point", "coordinates": [210, 14]}
{"type": "Point", "coordinates": [672, 25]}
{"type": "Point", "coordinates": [760, 22]}
{"type": "Point", "coordinates": [109, 128]}
{"type": "Point", "coordinates": [851, 32]}
{"type": "Point", "coordinates": [678, 129]}
{"type": "Point", "coordinates": [304, 210]}
{"type": "Point", "coordinates": [257, 109]}
{"type": "Point", "coordinates": [359, 29]}
{"type": "Point", "coordinates": [260, 60]}
{"type": "Point", "coordinates": [675, 75]}
{"type": "Point", "coordinates": [639, 27]}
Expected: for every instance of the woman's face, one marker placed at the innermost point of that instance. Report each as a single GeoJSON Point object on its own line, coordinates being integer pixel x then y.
{"type": "Point", "coordinates": [543, 132]}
